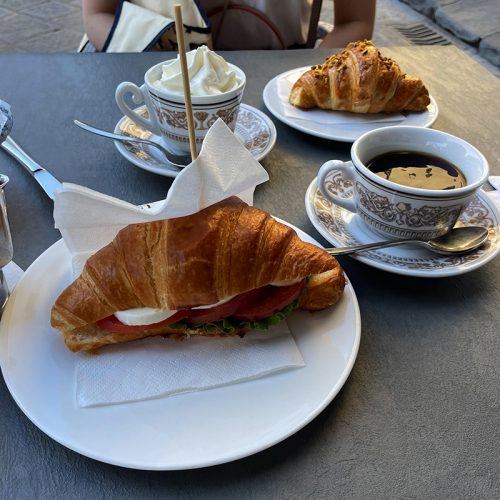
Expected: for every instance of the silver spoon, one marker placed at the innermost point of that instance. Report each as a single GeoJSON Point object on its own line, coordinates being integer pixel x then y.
{"type": "Point", "coordinates": [175, 160]}
{"type": "Point", "coordinates": [458, 240]}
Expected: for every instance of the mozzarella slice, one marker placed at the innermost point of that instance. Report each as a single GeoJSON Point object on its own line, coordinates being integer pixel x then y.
{"type": "Point", "coordinates": [143, 316]}
{"type": "Point", "coordinates": [223, 301]}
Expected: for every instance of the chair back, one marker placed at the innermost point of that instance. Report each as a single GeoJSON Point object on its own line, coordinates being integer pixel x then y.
{"type": "Point", "coordinates": [313, 23]}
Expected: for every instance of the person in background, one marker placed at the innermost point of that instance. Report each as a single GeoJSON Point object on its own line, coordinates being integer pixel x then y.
{"type": "Point", "coordinates": [250, 24]}
{"type": "Point", "coordinates": [354, 20]}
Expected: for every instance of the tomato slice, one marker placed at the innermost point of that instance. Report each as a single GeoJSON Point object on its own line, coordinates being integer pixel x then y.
{"type": "Point", "coordinates": [114, 325]}
{"type": "Point", "coordinates": [266, 301]}
{"type": "Point", "coordinates": [200, 316]}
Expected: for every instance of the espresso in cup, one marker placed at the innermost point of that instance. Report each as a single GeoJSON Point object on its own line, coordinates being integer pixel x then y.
{"type": "Point", "coordinates": [400, 209]}
{"type": "Point", "coordinates": [418, 170]}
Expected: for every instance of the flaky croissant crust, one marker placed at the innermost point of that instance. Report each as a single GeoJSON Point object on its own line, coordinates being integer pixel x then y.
{"type": "Point", "coordinates": [359, 79]}
{"type": "Point", "coordinates": [223, 250]}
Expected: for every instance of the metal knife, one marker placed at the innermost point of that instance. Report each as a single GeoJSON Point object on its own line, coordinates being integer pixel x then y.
{"type": "Point", "coordinates": [48, 182]}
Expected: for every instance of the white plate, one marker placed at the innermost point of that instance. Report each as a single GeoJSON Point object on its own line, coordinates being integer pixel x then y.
{"type": "Point", "coordinates": [343, 228]}
{"type": "Point", "coordinates": [347, 131]}
{"type": "Point", "coordinates": [253, 128]}
{"type": "Point", "coordinates": [185, 431]}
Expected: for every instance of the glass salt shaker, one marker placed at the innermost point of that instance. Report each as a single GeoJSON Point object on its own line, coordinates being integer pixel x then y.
{"type": "Point", "coordinates": [6, 250]}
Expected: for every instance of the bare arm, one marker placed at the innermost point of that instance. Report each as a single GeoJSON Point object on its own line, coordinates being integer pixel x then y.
{"type": "Point", "coordinates": [354, 20]}
{"type": "Point", "coordinates": [98, 17]}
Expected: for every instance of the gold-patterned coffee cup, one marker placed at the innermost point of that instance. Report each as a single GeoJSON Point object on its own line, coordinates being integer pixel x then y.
{"type": "Point", "coordinates": [167, 112]}
{"type": "Point", "coordinates": [400, 211]}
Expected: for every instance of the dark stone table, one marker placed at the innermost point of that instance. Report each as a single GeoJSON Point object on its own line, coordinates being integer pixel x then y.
{"type": "Point", "coordinates": [419, 415]}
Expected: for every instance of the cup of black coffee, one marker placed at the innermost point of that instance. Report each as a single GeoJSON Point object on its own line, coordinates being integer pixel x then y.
{"type": "Point", "coordinates": [407, 182]}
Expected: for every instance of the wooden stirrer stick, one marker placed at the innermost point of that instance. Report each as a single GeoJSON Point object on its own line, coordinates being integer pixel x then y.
{"type": "Point", "coordinates": [179, 28]}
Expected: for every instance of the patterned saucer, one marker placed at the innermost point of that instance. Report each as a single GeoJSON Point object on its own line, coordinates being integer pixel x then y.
{"type": "Point", "coordinates": [253, 128]}
{"type": "Point", "coordinates": [343, 228]}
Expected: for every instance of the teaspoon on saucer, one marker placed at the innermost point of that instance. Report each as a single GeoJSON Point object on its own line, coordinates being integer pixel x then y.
{"type": "Point", "coordinates": [458, 240]}
{"type": "Point", "coordinates": [172, 159]}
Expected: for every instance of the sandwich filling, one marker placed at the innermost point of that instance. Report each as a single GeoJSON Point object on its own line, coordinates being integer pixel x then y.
{"type": "Point", "coordinates": [256, 309]}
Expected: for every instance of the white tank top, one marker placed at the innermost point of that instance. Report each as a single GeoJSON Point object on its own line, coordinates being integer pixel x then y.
{"type": "Point", "coordinates": [259, 24]}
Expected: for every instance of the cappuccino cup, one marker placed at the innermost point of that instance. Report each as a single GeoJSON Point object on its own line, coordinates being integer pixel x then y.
{"type": "Point", "coordinates": [402, 201]}
{"type": "Point", "coordinates": [163, 97]}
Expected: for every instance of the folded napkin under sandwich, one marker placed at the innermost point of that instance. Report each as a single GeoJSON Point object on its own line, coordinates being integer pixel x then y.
{"type": "Point", "coordinates": [325, 117]}
{"type": "Point", "coordinates": [156, 367]}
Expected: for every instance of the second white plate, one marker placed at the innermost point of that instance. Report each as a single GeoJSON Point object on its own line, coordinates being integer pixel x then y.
{"type": "Point", "coordinates": [347, 131]}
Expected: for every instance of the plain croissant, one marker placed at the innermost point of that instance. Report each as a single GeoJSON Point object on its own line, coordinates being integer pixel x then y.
{"type": "Point", "coordinates": [359, 80]}
{"type": "Point", "coordinates": [222, 251]}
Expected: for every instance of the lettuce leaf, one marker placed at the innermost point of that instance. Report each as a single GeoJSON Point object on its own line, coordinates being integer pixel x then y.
{"type": "Point", "coordinates": [230, 325]}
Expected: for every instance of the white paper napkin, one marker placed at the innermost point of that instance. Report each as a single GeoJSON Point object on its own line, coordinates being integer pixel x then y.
{"type": "Point", "coordinates": [13, 274]}
{"type": "Point", "coordinates": [494, 180]}
{"type": "Point", "coordinates": [89, 220]}
{"type": "Point", "coordinates": [158, 367]}
{"type": "Point", "coordinates": [155, 367]}
{"type": "Point", "coordinates": [285, 84]}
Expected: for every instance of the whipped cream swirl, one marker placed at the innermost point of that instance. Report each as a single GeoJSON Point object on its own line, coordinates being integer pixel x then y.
{"type": "Point", "coordinates": [209, 74]}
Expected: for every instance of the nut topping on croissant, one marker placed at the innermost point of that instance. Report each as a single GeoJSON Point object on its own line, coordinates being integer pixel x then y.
{"type": "Point", "coordinates": [224, 250]}
{"type": "Point", "coordinates": [359, 80]}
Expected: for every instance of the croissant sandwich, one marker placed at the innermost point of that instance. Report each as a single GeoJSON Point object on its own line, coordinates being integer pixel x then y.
{"type": "Point", "coordinates": [222, 271]}
{"type": "Point", "coordinates": [359, 80]}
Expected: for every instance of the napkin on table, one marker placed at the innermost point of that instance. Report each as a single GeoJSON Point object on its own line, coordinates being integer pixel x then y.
{"type": "Point", "coordinates": [494, 180]}
{"type": "Point", "coordinates": [155, 367]}
{"type": "Point", "coordinates": [12, 273]}
{"type": "Point", "coordinates": [285, 84]}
